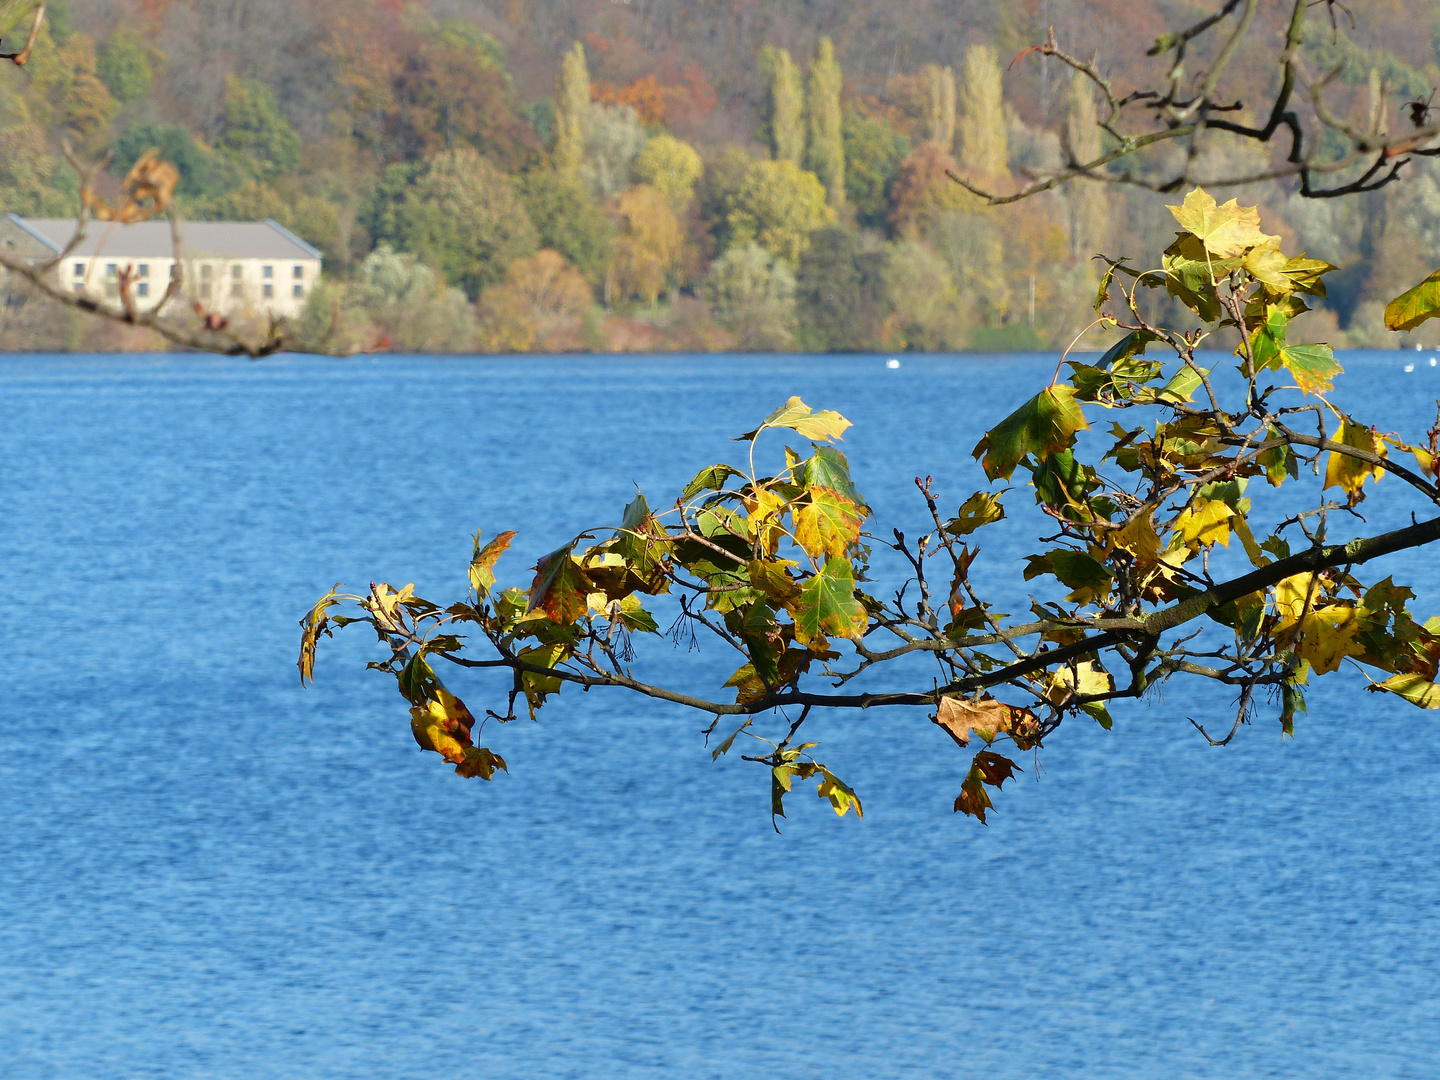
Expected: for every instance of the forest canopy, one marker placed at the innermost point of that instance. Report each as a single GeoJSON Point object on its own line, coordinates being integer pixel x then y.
{"type": "Point", "coordinates": [774, 177]}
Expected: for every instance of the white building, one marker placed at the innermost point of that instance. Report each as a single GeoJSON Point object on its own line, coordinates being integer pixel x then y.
{"type": "Point", "coordinates": [231, 267]}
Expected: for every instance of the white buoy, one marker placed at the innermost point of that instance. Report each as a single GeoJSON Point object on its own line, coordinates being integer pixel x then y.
{"type": "Point", "coordinates": [1409, 367]}
{"type": "Point", "coordinates": [892, 363]}
{"type": "Point", "coordinates": [1418, 347]}
{"type": "Point", "coordinates": [1432, 361]}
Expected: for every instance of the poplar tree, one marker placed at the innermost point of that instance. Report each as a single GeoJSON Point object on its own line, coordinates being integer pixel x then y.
{"type": "Point", "coordinates": [827, 148]}
{"type": "Point", "coordinates": [983, 144]}
{"type": "Point", "coordinates": [785, 105]}
{"type": "Point", "coordinates": [1088, 210]}
{"type": "Point", "coordinates": [572, 110]}
{"type": "Point", "coordinates": [940, 89]}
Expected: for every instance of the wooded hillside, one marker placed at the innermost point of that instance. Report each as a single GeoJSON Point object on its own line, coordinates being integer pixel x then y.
{"type": "Point", "coordinates": [707, 174]}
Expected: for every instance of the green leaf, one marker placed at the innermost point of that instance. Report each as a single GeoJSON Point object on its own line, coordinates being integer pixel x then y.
{"type": "Point", "coordinates": [1183, 384]}
{"type": "Point", "coordinates": [710, 479]}
{"type": "Point", "coordinates": [827, 605]}
{"type": "Point", "coordinates": [535, 686]}
{"type": "Point", "coordinates": [724, 747]}
{"type": "Point", "coordinates": [828, 468]}
{"type": "Point", "coordinates": [1191, 273]}
{"type": "Point", "coordinates": [1044, 425]}
{"type": "Point", "coordinates": [635, 618]}
{"type": "Point", "coordinates": [977, 511]}
{"type": "Point", "coordinates": [1313, 366]}
{"type": "Point", "coordinates": [482, 562]}
{"type": "Point", "coordinates": [1414, 306]}
{"type": "Point", "coordinates": [1076, 570]}
{"type": "Point", "coordinates": [796, 415]}
{"type": "Point", "coordinates": [560, 587]}
{"type": "Point", "coordinates": [1131, 345]}
{"type": "Point", "coordinates": [1097, 711]}
{"type": "Point", "coordinates": [12, 11]}
{"type": "Point", "coordinates": [417, 680]}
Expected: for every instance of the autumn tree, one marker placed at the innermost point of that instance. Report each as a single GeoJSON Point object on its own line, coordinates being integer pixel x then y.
{"type": "Point", "coordinates": [649, 246]}
{"type": "Point", "coordinates": [671, 167]}
{"type": "Point", "coordinates": [1167, 563]}
{"type": "Point", "coordinates": [753, 296]}
{"type": "Point", "coordinates": [572, 113]}
{"type": "Point", "coordinates": [567, 219]}
{"type": "Point", "coordinates": [826, 148]}
{"type": "Point", "coordinates": [255, 131]}
{"type": "Point", "coordinates": [541, 299]}
{"type": "Point", "coordinates": [940, 101]}
{"type": "Point", "coordinates": [873, 154]}
{"type": "Point", "coordinates": [784, 105]}
{"type": "Point", "coordinates": [460, 214]}
{"type": "Point", "coordinates": [1088, 205]}
{"type": "Point", "coordinates": [125, 68]}
{"type": "Point", "coordinates": [983, 141]}
{"type": "Point", "coordinates": [778, 205]}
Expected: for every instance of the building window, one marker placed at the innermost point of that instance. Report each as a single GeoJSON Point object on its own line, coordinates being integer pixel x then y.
{"type": "Point", "coordinates": [111, 269]}
{"type": "Point", "coordinates": [299, 292]}
{"type": "Point", "coordinates": [144, 288]}
{"type": "Point", "coordinates": [235, 271]}
{"type": "Point", "coordinates": [267, 272]}
{"type": "Point", "coordinates": [79, 286]}
{"type": "Point", "coordinates": [206, 272]}
{"type": "Point", "coordinates": [237, 289]}
{"type": "Point", "coordinates": [174, 271]}
{"type": "Point", "coordinates": [205, 290]}
{"type": "Point", "coordinates": [299, 274]}
{"type": "Point", "coordinates": [144, 270]}
{"type": "Point", "coordinates": [269, 291]}
{"type": "Point", "coordinates": [79, 269]}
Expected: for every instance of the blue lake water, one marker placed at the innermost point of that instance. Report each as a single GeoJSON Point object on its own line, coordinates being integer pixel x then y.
{"type": "Point", "coordinates": [206, 871]}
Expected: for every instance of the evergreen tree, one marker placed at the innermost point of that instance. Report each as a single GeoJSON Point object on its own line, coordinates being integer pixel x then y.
{"type": "Point", "coordinates": [984, 149]}
{"type": "Point", "coordinates": [572, 113]}
{"type": "Point", "coordinates": [827, 147]}
{"type": "Point", "coordinates": [785, 105]}
{"type": "Point", "coordinates": [940, 89]}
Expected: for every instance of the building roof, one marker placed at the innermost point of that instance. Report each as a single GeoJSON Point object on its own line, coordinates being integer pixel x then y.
{"type": "Point", "coordinates": [151, 239]}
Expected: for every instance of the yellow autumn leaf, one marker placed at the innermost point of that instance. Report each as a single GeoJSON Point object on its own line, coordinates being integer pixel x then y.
{"type": "Point", "coordinates": [1349, 473]}
{"type": "Point", "coordinates": [1205, 523]}
{"type": "Point", "coordinates": [443, 725]}
{"type": "Point", "coordinates": [1085, 679]}
{"type": "Point", "coordinates": [1252, 549]}
{"type": "Point", "coordinates": [765, 509]}
{"type": "Point", "coordinates": [1290, 594]}
{"type": "Point", "coordinates": [1226, 231]}
{"type": "Point", "coordinates": [1327, 636]}
{"type": "Point", "coordinates": [1415, 689]}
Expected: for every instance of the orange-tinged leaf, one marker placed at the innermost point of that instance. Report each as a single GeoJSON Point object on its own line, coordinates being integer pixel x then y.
{"type": "Point", "coordinates": [560, 587]}
{"type": "Point", "coordinates": [986, 768]}
{"type": "Point", "coordinates": [826, 523]}
{"type": "Point", "coordinates": [989, 719]}
{"type": "Point", "coordinates": [482, 561]}
{"type": "Point", "coordinates": [827, 605]}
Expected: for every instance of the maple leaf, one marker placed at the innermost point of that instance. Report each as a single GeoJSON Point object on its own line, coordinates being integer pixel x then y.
{"type": "Point", "coordinates": [482, 561]}
{"type": "Point", "coordinates": [1044, 425]}
{"type": "Point", "coordinates": [1414, 306]}
{"type": "Point", "coordinates": [798, 416]}
{"type": "Point", "coordinates": [989, 719]}
{"type": "Point", "coordinates": [1348, 473]}
{"type": "Point", "coordinates": [826, 523]}
{"type": "Point", "coordinates": [977, 511]}
{"type": "Point", "coordinates": [1226, 231]}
